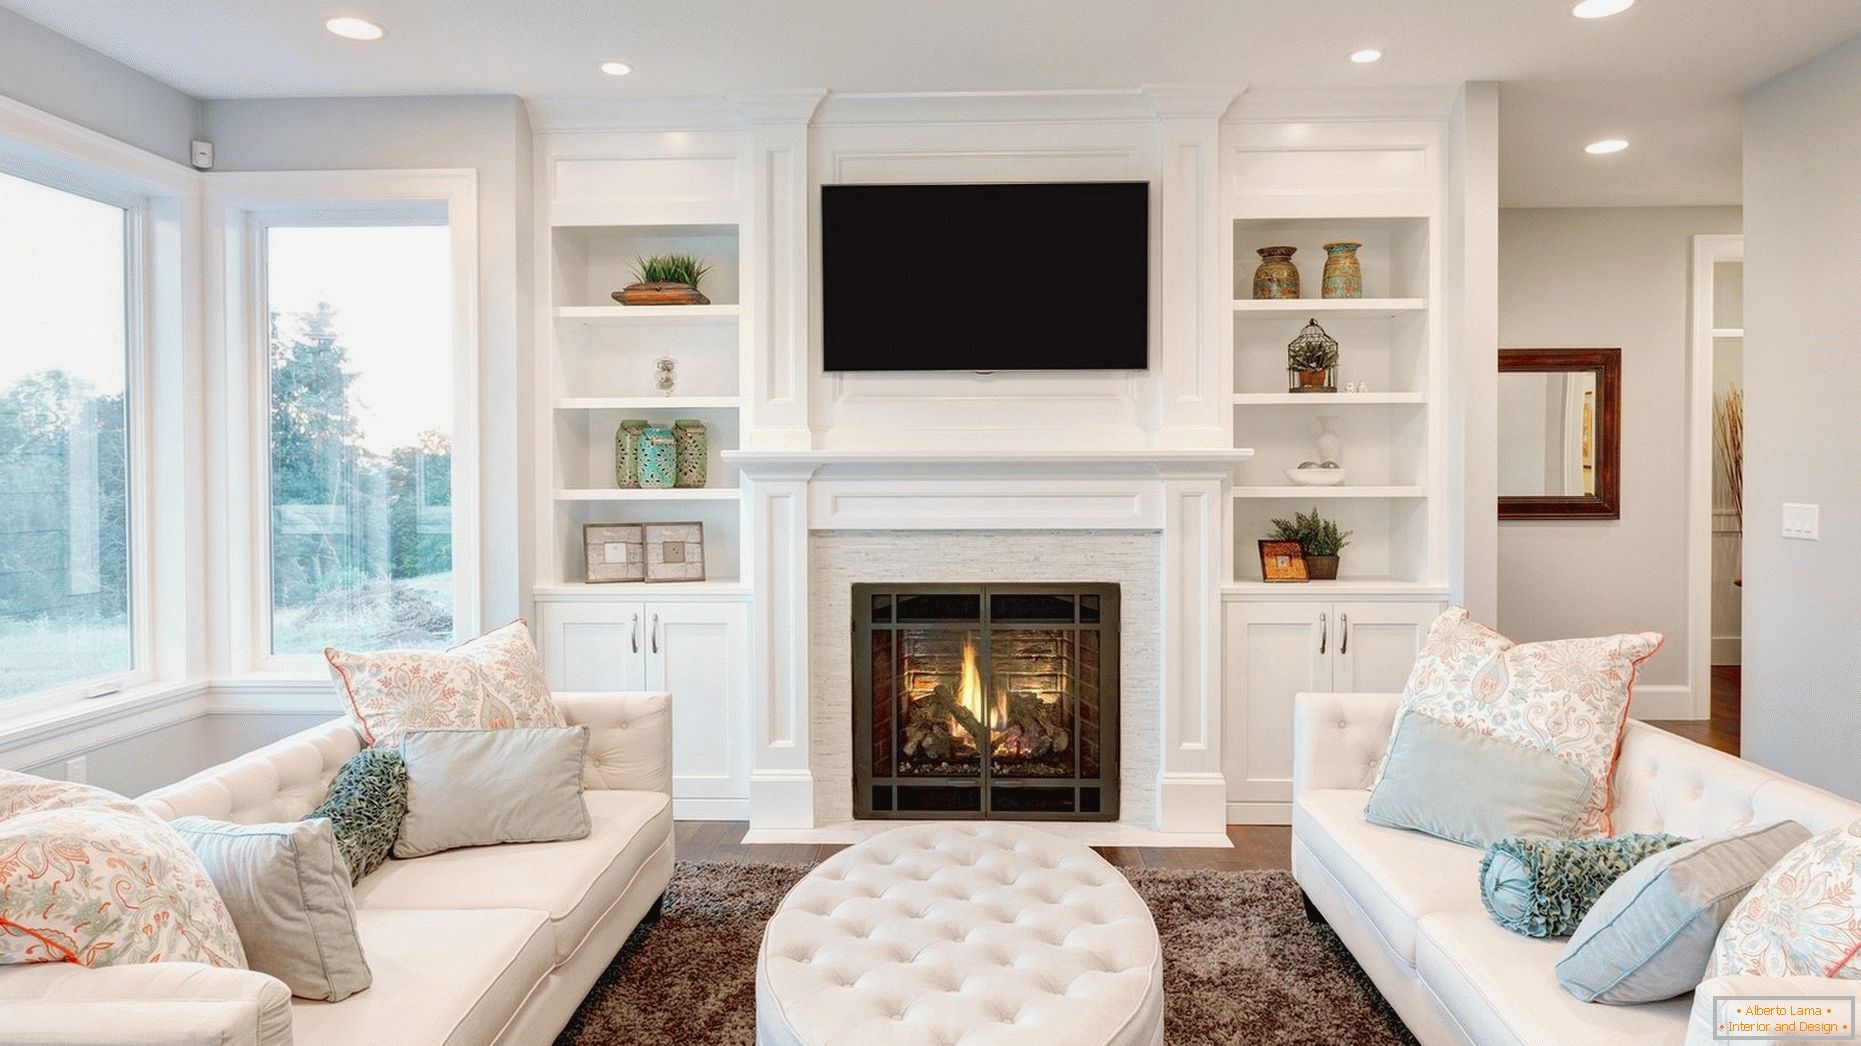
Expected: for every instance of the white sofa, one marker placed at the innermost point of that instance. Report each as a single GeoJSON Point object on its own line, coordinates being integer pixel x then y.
{"type": "Point", "coordinates": [495, 944]}
{"type": "Point", "coordinates": [1408, 905]}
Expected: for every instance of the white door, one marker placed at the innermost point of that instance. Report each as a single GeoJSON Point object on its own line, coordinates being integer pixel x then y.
{"type": "Point", "coordinates": [1376, 644]}
{"type": "Point", "coordinates": [592, 646]}
{"type": "Point", "coordinates": [1273, 651]}
{"type": "Point", "coordinates": [698, 652]}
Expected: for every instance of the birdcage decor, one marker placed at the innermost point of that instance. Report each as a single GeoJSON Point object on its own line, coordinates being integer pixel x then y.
{"type": "Point", "coordinates": [1312, 361]}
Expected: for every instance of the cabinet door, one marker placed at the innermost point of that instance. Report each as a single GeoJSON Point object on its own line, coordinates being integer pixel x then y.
{"type": "Point", "coordinates": [1376, 644]}
{"type": "Point", "coordinates": [698, 652]}
{"type": "Point", "coordinates": [592, 646]}
{"type": "Point", "coordinates": [1273, 651]}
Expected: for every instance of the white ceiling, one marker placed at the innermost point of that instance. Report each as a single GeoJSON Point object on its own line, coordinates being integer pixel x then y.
{"type": "Point", "coordinates": [1666, 75]}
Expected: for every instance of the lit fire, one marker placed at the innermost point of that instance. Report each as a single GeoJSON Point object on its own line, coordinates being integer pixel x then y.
{"type": "Point", "coordinates": [969, 687]}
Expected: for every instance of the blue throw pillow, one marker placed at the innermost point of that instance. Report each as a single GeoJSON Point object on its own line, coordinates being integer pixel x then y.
{"type": "Point", "coordinates": [1469, 788]}
{"type": "Point", "coordinates": [366, 803]}
{"type": "Point", "coordinates": [1544, 887]}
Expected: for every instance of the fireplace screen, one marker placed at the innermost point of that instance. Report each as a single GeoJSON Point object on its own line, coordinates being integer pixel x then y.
{"type": "Point", "coordinates": [976, 701]}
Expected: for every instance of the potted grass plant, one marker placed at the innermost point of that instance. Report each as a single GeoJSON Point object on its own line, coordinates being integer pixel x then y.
{"type": "Point", "coordinates": [665, 279]}
{"type": "Point", "coordinates": [1319, 538]}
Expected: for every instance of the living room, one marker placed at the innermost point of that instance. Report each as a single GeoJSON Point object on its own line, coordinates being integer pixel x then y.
{"type": "Point", "coordinates": [515, 529]}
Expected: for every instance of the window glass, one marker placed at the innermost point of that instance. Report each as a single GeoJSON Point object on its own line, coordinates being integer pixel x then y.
{"type": "Point", "coordinates": [361, 436]}
{"type": "Point", "coordinates": [64, 453]}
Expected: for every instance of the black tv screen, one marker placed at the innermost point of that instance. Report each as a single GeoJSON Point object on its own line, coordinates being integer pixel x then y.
{"type": "Point", "coordinates": [985, 277]}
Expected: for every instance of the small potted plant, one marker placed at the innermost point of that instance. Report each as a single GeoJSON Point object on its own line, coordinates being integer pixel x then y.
{"type": "Point", "coordinates": [1320, 540]}
{"type": "Point", "coordinates": [1312, 361]}
{"type": "Point", "coordinates": [665, 279]}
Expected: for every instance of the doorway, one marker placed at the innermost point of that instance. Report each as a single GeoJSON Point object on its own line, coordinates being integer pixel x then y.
{"type": "Point", "coordinates": [1716, 485]}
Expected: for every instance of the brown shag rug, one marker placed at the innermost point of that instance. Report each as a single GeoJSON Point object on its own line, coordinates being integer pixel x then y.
{"type": "Point", "coordinates": [1240, 964]}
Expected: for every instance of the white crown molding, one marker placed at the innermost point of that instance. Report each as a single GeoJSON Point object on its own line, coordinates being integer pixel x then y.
{"type": "Point", "coordinates": [1206, 101]}
{"type": "Point", "coordinates": [561, 115]}
{"type": "Point", "coordinates": [791, 106]}
{"type": "Point", "coordinates": [986, 107]}
{"type": "Point", "coordinates": [1343, 104]}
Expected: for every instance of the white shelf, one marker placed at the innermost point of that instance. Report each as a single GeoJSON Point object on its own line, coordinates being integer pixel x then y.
{"type": "Point", "coordinates": [1342, 588]}
{"type": "Point", "coordinates": [625, 314]}
{"type": "Point", "coordinates": [1340, 491]}
{"type": "Point", "coordinates": [652, 494]}
{"type": "Point", "coordinates": [1728, 332]}
{"type": "Point", "coordinates": [1321, 399]}
{"type": "Point", "coordinates": [1321, 306]}
{"type": "Point", "coordinates": [648, 403]}
{"type": "Point", "coordinates": [583, 591]}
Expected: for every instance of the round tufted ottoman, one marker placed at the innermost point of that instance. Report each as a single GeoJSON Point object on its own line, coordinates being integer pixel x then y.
{"type": "Point", "coordinates": [961, 935]}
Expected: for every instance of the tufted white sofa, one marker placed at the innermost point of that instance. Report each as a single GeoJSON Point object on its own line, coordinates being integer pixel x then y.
{"type": "Point", "coordinates": [495, 944]}
{"type": "Point", "coordinates": [1408, 905]}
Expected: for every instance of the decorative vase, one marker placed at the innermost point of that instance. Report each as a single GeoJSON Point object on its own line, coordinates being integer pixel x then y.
{"type": "Point", "coordinates": [665, 375]}
{"type": "Point", "coordinates": [627, 453]}
{"type": "Point", "coordinates": [658, 458]}
{"type": "Point", "coordinates": [692, 452]}
{"type": "Point", "coordinates": [1321, 568]}
{"type": "Point", "coordinates": [1330, 447]}
{"type": "Point", "coordinates": [1277, 276]}
{"type": "Point", "coordinates": [1343, 275]}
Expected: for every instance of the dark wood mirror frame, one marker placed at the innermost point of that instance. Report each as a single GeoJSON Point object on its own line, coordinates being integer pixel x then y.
{"type": "Point", "coordinates": [1606, 503]}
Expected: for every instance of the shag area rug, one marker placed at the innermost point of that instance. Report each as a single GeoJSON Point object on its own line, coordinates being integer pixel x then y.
{"type": "Point", "coordinates": [1240, 964]}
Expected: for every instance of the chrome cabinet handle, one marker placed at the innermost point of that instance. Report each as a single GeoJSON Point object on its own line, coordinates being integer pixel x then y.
{"type": "Point", "coordinates": [1324, 630]}
{"type": "Point", "coordinates": [655, 633]}
{"type": "Point", "coordinates": [636, 633]}
{"type": "Point", "coordinates": [1344, 633]}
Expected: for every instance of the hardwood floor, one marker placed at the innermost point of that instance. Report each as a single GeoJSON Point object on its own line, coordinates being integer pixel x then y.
{"type": "Point", "coordinates": [1720, 731]}
{"type": "Point", "coordinates": [1255, 847]}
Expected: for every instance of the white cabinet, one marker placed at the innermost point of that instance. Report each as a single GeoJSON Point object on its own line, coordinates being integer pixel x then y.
{"type": "Point", "coordinates": [1277, 649]}
{"type": "Point", "coordinates": [697, 651]}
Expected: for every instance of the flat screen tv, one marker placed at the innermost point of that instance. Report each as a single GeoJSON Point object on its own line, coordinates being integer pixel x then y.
{"type": "Point", "coordinates": [985, 277]}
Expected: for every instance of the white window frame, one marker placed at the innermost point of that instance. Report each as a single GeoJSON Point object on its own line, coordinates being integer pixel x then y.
{"type": "Point", "coordinates": [241, 208]}
{"type": "Point", "coordinates": [160, 204]}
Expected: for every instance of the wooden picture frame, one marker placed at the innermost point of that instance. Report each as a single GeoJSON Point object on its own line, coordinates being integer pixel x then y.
{"type": "Point", "coordinates": [613, 553]}
{"type": "Point", "coordinates": [674, 551]}
{"type": "Point", "coordinates": [1604, 434]}
{"type": "Point", "coordinates": [1282, 561]}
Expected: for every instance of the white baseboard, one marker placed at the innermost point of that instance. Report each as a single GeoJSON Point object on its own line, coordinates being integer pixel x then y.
{"type": "Point", "coordinates": [1192, 802]}
{"type": "Point", "coordinates": [1259, 813]}
{"type": "Point", "coordinates": [1662, 702]}
{"type": "Point", "coordinates": [781, 799]}
{"type": "Point", "coordinates": [1728, 650]}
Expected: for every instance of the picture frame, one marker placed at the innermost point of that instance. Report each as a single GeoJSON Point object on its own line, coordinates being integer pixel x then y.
{"type": "Point", "coordinates": [613, 552]}
{"type": "Point", "coordinates": [674, 551]}
{"type": "Point", "coordinates": [1282, 561]}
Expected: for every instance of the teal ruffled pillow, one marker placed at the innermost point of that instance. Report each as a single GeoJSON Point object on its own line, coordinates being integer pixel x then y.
{"type": "Point", "coordinates": [365, 805]}
{"type": "Point", "coordinates": [1544, 887]}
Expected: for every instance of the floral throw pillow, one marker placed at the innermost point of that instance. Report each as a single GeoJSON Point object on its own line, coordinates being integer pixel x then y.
{"type": "Point", "coordinates": [494, 682]}
{"type": "Point", "coordinates": [1568, 697]}
{"type": "Point", "coordinates": [90, 878]}
{"type": "Point", "coordinates": [1803, 918]}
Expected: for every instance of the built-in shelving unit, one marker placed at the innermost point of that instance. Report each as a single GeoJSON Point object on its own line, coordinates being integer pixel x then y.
{"type": "Point", "coordinates": [602, 372]}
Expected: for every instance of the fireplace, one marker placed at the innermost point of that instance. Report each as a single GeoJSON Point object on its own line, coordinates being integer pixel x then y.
{"type": "Point", "coordinates": [985, 701]}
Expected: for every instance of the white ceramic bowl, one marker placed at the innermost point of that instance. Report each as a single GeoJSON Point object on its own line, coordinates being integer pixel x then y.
{"type": "Point", "coordinates": [1316, 477]}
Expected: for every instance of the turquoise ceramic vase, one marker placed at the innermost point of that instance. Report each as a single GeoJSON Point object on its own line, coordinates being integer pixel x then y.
{"type": "Point", "coordinates": [658, 458]}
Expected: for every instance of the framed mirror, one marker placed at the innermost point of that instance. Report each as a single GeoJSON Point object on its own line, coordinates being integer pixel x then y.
{"type": "Point", "coordinates": [1560, 433]}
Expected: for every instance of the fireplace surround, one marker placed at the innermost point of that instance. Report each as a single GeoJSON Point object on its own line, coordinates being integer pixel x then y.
{"type": "Point", "coordinates": [986, 701]}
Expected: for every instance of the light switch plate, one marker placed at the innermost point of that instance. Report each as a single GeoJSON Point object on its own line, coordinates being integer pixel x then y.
{"type": "Point", "coordinates": [1802, 522]}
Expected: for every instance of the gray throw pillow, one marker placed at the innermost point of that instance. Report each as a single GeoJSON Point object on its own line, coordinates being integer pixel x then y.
{"type": "Point", "coordinates": [481, 787]}
{"type": "Point", "coordinates": [287, 888]}
{"type": "Point", "coordinates": [1544, 887]}
{"type": "Point", "coordinates": [365, 805]}
{"type": "Point", "coordinates": [1650, 935]}
{"type": "Point", "coordinates": [1469, 788]}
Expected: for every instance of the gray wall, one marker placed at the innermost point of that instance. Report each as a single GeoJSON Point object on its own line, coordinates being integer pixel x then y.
{"type": "Point", "coordinates": [1587, 277]}
{"type": "Point", "coordinates": [160, 757]}
{"type": "Point", "coordinates": [1802, 599]}
{"type": "Point", "coordinates": [65, 78]}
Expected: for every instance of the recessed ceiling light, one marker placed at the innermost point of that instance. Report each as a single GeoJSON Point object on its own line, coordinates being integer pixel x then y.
{"type": "Point", "coordinates": [1607, 145]}
{"type": "Point", "coordinates": [354, 28]}
{"type": "Point", "coordinates": [616, 68]}
{"type": "Point", "coordinates": [1368, 54]}
{"type": "Point", "coordinates": [1601, 8]}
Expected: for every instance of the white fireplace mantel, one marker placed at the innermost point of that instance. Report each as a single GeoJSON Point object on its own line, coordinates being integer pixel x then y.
{"type": "Point", "coordinates": [1179, 493]}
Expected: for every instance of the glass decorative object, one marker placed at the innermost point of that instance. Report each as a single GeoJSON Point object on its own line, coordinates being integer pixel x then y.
{"type": "Point", "coordinates": [1343, 274]}
{"type": "Point", "coordinates": [665, 375]}
{"type": "Point", "coordinates": [692, 451]}
{"type": "Point", "coordinates": [1277, 276]}
{"type": "Point", "coordinates": [627, 453]}
{"type": "Point", "coordinates": [1312, 361]}
{"type": "Point", "coordinates": [658, 458]}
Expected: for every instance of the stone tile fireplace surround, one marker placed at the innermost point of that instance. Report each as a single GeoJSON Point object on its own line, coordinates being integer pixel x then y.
{"type": "Point", "coordinates": [1148, 521]}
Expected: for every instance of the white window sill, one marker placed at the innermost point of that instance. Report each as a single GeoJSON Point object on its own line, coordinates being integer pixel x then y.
{"type": "Point", "coordinates": [30, 724]}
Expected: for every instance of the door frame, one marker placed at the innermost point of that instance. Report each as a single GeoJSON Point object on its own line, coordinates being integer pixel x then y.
{"type": "Point", "coordinates": [1708, 250]}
